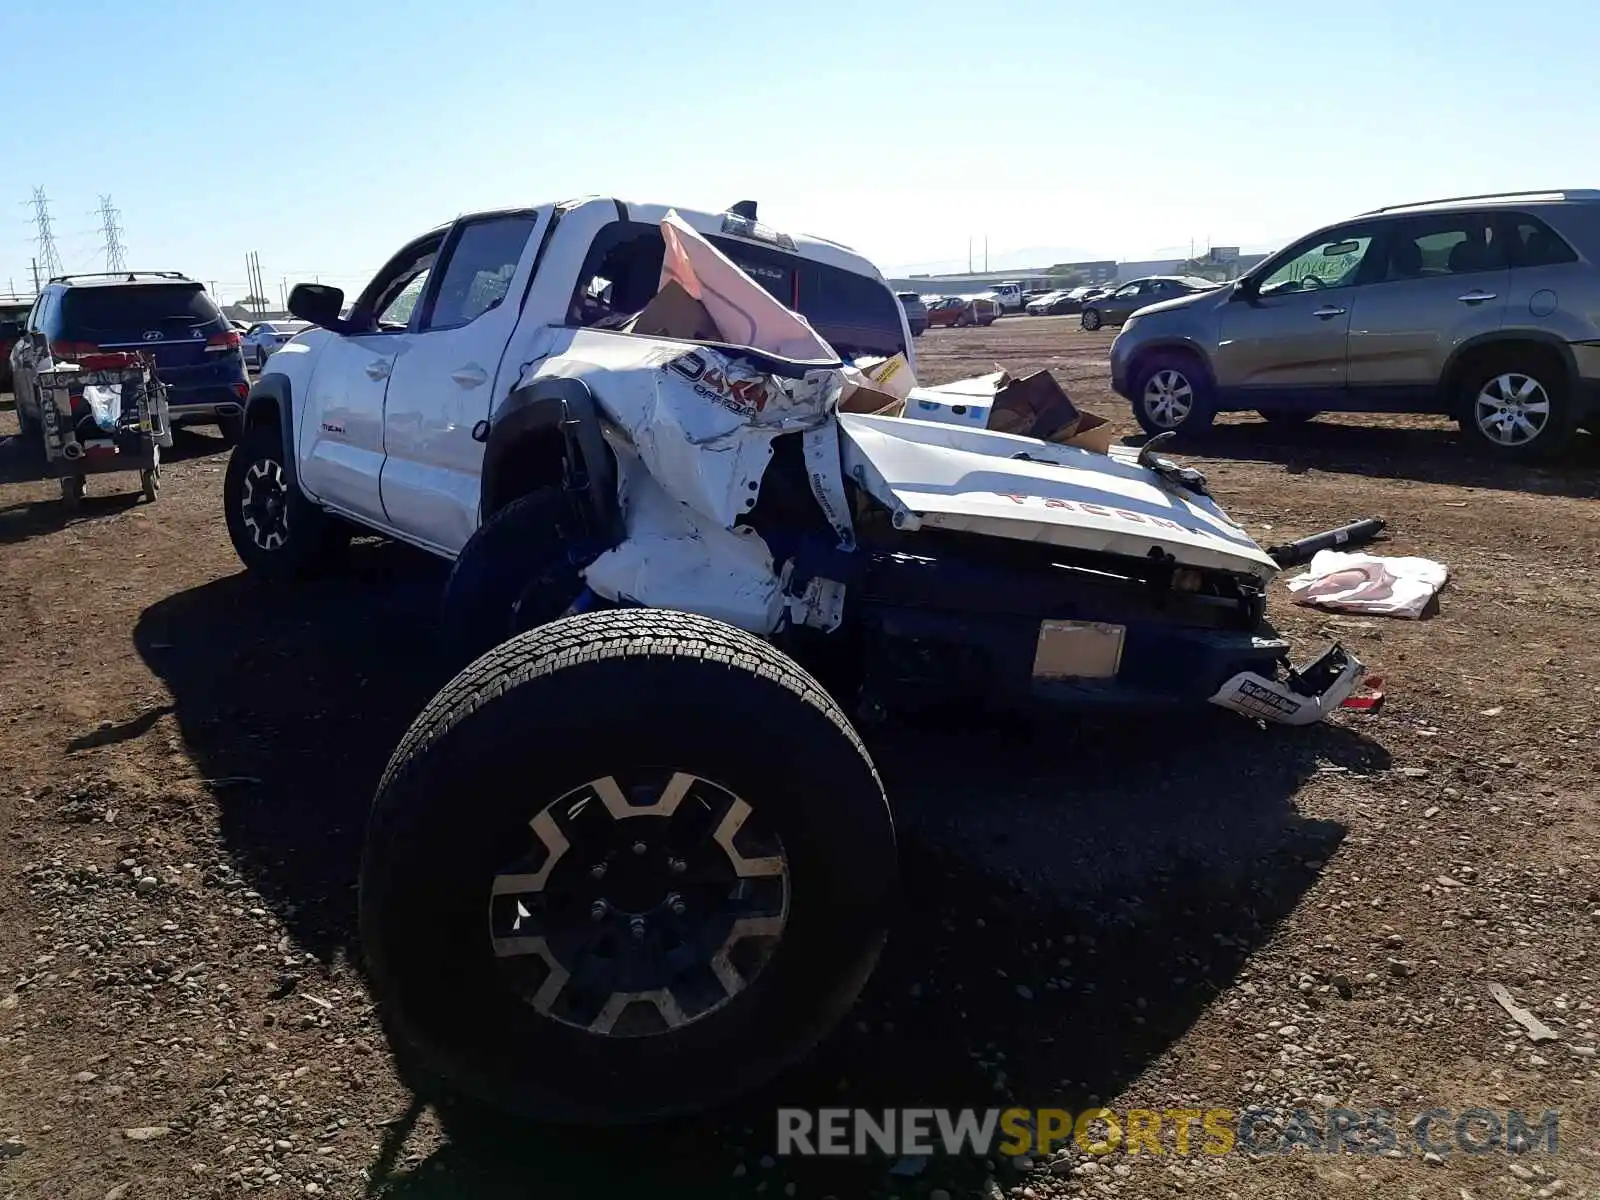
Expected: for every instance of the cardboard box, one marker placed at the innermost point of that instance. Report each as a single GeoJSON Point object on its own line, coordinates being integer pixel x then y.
{"type": "Point", "coordinates": [879, 389]}
{"type": "Point", "coordinates": [1037, 406]}
{"type": "Point", "coordinates": [673, 313]}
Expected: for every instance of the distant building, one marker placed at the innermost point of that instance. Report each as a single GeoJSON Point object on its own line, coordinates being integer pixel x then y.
{"type": "Point", "coordinates": [1222, 262]}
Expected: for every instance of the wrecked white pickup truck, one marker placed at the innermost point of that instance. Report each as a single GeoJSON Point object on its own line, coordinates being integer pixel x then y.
{"type": "Point", "coordinates": [634, 859]}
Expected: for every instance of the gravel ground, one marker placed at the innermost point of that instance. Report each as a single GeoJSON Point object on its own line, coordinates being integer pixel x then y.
{"type": "Point", "coordinates": [1136, 914]}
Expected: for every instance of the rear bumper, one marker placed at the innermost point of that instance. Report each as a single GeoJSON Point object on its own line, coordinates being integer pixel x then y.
{"type": "Point", "coordinates": [209, 402]}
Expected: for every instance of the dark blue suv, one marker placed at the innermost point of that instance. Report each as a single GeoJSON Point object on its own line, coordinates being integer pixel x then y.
{"type": "Point", "coordinates": [196, 348]}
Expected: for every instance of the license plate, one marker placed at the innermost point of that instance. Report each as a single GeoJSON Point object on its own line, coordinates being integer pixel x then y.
{"type": "Point", "coordinates": [1078, 650]}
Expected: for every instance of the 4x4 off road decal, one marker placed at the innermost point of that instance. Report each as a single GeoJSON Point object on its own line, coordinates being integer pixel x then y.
{"type": "Point", "coordinates": [746, 396]}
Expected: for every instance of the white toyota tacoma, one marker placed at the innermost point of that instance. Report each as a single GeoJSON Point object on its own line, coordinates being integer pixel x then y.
{"type": "Point", "coordinates": [633, 859]}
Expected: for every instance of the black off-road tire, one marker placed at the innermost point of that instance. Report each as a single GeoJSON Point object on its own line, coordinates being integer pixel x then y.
{"type": "Point", "coordinates": [312, 541]}
{"type": "Point", "coordinates": [1196, 384]}
{"type": "Point", "coordinates": [515, 573]}
{"type": "Point", "coordinates": [584, 698]}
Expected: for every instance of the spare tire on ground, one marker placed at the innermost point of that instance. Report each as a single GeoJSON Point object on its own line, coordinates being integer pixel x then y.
{"type": "Point", "coordinates": [627, 864]}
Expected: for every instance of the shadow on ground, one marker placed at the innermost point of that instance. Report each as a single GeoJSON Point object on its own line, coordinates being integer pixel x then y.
{"type": "Point", "coordinates": [1388, 452]}
{"type": "Point", "coordinates": [1074, 899]}
{"type": "Point", "coordinates": [109, 494]}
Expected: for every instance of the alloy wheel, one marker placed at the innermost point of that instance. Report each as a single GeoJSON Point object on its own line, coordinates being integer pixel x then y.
{"type": "Point", "coordinates": [645, 902]}
{"type": "Point", "coordinates": [1168, 398]}
{"type": "Point", "coordinates": [264, 504]}
{"type": "Point", "coordinates": [1512, 409]}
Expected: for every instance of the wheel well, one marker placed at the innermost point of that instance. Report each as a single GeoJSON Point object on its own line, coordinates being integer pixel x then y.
{"type": "Point", "coordinates": [1521, 351]}
{"type": "Point", "coordinates": [262, 412]}
{"type": "Point", "coordinates": [530, 461]}
{"type": "Point", "coordinates": [1170, 350]}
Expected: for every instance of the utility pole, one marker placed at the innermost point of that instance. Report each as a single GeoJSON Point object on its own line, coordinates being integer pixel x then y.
{"type": "Point", "coordinates": [986, 254]}
{"type": "Point", "coordinates": [35, 264]}
{"type": "Point", "coordinates": [44, 236]}
{"type": "Point", "coordinates": [111, 231]}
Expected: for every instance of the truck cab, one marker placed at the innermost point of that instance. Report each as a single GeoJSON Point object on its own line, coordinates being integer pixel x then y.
{"type": "Point", "coordinates": [382, 408]}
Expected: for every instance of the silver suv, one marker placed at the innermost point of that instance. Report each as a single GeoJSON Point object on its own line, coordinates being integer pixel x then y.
{"type": "Point", "coordinates": [1482, 308]}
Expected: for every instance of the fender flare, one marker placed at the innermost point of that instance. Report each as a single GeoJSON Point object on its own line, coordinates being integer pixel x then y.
{"type": "Point", "coordinates": [274, 392]}
{"type": "Point", "coordinates": [562, 409]}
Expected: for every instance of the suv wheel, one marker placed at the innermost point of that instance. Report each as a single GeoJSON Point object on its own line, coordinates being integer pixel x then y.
{"type": "Point", "coordinates": [1172, 393]}
{"type": "Point", "coordinates": [629, 864]}
{"type": "Point", "coordinates": [1518, 408]}
{"type": "Point", "coordinates": [1091, 319]}
{"type": "Point", "coordinates": [277, 533]}
{"type": "Point", "coordinates": [521, 569]}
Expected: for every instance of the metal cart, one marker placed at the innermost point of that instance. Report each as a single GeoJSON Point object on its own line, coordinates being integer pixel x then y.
{"type": "Point", "coordinates": [103, 413]}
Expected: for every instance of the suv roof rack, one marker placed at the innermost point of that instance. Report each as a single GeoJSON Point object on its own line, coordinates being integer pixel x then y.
{"type": "Point", "coordinates": [129, 276]}
{"type": "Point", "coordinates": [1544, 194]}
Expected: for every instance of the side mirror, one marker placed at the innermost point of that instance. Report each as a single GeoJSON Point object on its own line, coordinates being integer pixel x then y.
{"type": "Point", "coordinates": [318, 303]}
{"type": "Point", "coordinates": [1245, 290]}
{"type": "Point", "coordinates": [10, 331]}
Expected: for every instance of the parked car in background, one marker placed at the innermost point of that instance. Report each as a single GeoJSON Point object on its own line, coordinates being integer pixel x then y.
{"type": "Point", "coordinates": [916, 312]}
{"type": "Point", "coordinates": [196, 350]}
{"type": "Point", "coordinates": [13, 315]}
{"type": "Point", "coordinates": [964, 311]}
{"type": "Point", "coordinates": [1119, 305]}
{"type": "Point", "coordinates": [1067, 300]}
{"type": "Point", "coordinates": [261, 340]}
{"type": "Point", "coordinates": [1009, 295]}
{"type": "Point", "coordinates": [1481, 308]}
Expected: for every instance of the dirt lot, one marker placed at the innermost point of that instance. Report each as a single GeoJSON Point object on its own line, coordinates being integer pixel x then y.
{"type": "Point", "coordinates": [1140, 915]}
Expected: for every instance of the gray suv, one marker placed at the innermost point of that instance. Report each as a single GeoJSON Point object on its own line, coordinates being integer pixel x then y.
{"type": "Point", "coordinates": [1482, 308]}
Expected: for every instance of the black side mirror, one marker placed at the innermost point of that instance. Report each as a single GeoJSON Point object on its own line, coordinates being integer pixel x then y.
{"type": "Point", "coordinates": [10, 331]}
{"type": "Point", "coordinates": [1246, 290]}
{"type": "Point", "coordinates": [319, 303]}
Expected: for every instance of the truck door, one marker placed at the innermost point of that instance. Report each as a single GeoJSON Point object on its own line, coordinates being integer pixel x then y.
{"type": "Point", "coordinates": [445, 381]}
{"type": "Point", "coordinates": [341, 423]}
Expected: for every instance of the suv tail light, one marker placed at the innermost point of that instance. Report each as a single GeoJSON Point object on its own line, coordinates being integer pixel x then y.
{"type": "Point", "coordinates": [72, 351]}
{"type": "Point", "coordinates": [228, 340]}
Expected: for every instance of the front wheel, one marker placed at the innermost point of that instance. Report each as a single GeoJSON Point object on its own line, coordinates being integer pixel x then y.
{"type": "Point", "coordinates": [1172, 394]}
{"type": "Point", "coordinates": [629, 864]}
{"type": "Point", "coordinates": [276, 531]}
{"type": "Point", "coordinates": [521, 569]}
{"type": "Point", "coordinates": [1091, 319]}
{"type": "Point", "coordinates": [1518, 409]}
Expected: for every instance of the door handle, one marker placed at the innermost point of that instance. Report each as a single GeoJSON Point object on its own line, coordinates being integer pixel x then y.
{"type": "Point", "coordinates": [1328, 310]}
{"type": "Point", "coordinates": [378, 369]}
{"type": "Point", "coordinates": [470, 377]}
{"type": "Point", "coordinates": [1476, 297]}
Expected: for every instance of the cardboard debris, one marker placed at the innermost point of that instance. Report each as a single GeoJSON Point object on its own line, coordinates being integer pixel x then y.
{"type": "Point", "coordinates": [1037, 406]}
{"type": "Point", "coordinates": [878, 389]}
{"type": "Point", "coordinates": [674, 313]}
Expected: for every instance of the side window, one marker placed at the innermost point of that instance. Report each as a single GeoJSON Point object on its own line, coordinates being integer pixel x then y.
{"type": "Point", "coordinates": [1319, 264]}
{"type": "Point", "coordinates": [1127, 292]}
{"type": "Point", "coordinates": [479, 270]}
{"type": "Point", "coordinates": [400, 300]}
{"type": "Point", "coordinates": [1535, 244]}
{"type": "Point", "coordinates": [1449, 244]}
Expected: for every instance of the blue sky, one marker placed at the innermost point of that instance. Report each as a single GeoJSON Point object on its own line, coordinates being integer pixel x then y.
{"type": "Point", "coordinates": [321, 133]}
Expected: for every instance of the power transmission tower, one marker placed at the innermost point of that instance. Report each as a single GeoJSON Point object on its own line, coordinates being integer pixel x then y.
{"type": "Point", "coordinates": [116, 253]}
{"type": "Point", "coordinates": [44, 237]}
